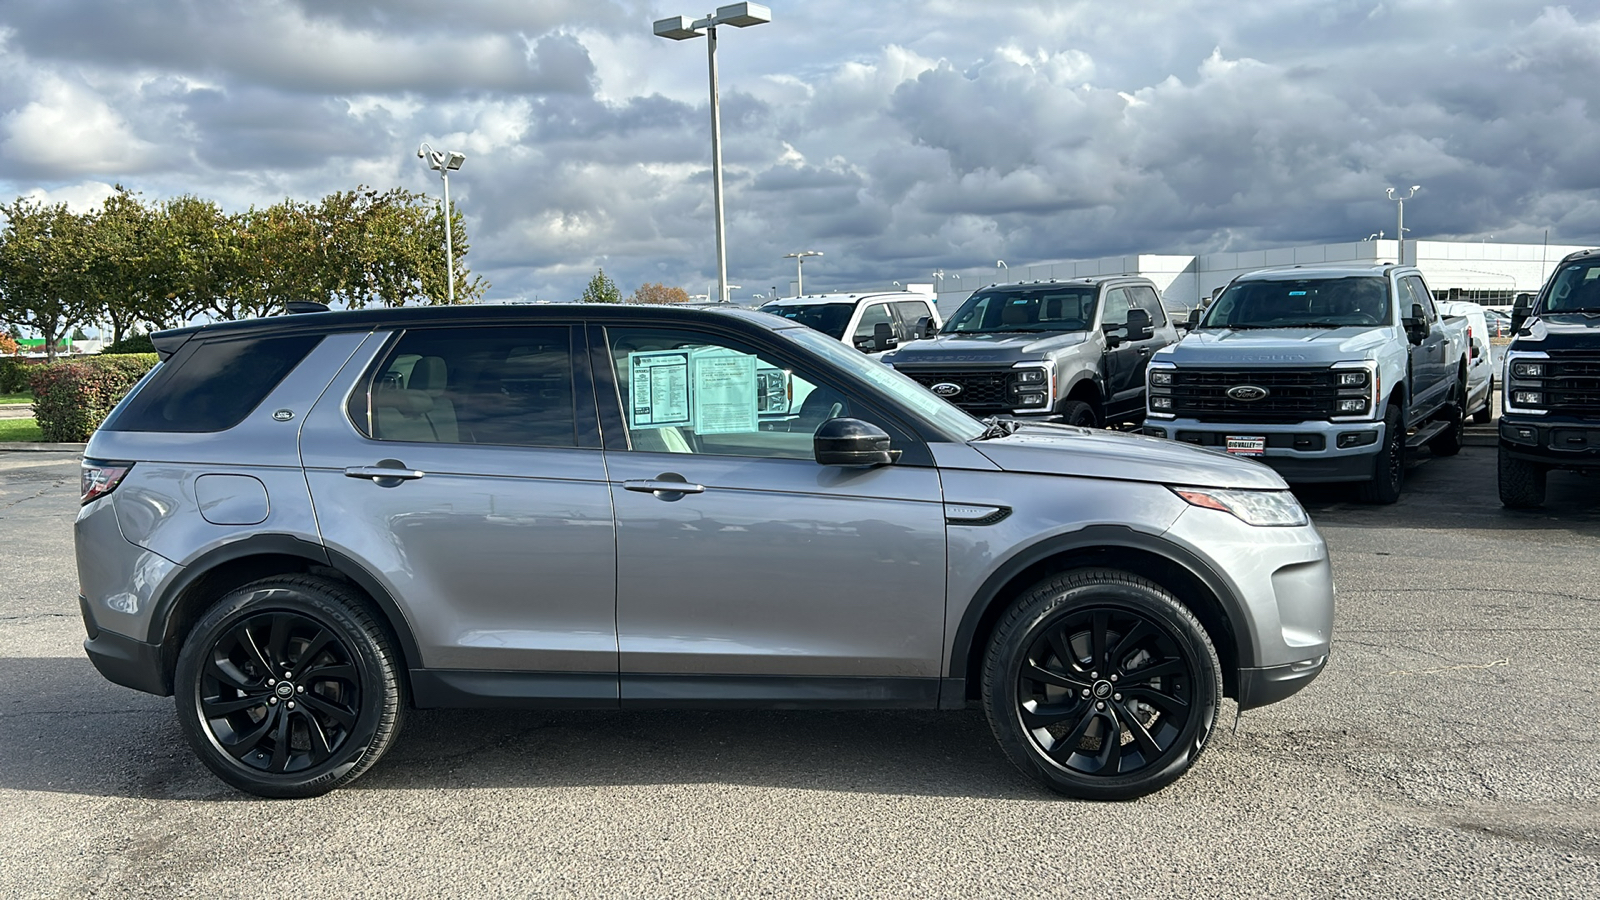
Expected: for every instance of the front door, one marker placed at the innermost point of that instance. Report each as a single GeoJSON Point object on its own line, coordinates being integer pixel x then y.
{"type": "Point", "coordinates": [766, 578]}
{"type": "Point", "coordinates": [495, 535]}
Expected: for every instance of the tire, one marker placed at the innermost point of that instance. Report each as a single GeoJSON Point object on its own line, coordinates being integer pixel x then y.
{"type": "Point", "coordinates": [1482, 416]}
{"type": "Point", "coordinates": [1389, 467]}
{"type": "Point", "coordinates": [1077, 412]}
{"type": "Point", "coordinates": [1521, 482]}
{"type": "Point", "coordinates": [1451, 440]}
{"type": "Point", "coordinates": [322, 726]}
{"type": "Point", "coordinates": [1056, 672]}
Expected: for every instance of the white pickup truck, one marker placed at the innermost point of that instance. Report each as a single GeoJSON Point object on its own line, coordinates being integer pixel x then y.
{"type": "Point", "coordinates": [1326, 374]}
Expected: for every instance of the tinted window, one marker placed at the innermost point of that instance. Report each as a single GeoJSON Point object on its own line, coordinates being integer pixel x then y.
{"type": "Point", "coordinates": [871, 317]}
{"type": "Point", "coordinates": [1042, 309]}
{"type": "Point", "coordinates": [828, 318]}
{"type": "Point", "coordinates": [1148, 301]}
{"type": "Point", "coordinates": [1419, 294]}
{"type": "Point", "coordinates": [473, 386]}
{"type": "Point", "coordinates": [1302, 303]}
{"type": "Point", "coordinates": [1575, 287]}
{"type": "Point", "coordinates": [212, 386]}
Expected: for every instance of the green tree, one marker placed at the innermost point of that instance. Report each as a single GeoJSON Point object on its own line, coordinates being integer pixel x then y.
{"type": "Point", "coordinates": [43, 269]}
{"type": "Point", "coordinates": [601, 289]}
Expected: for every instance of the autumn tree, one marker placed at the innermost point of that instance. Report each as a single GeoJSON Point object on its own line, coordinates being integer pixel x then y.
{"type": "Point", "coordinates": [601, 289]}
{"type": "Point", "coordinates": [659, 293]}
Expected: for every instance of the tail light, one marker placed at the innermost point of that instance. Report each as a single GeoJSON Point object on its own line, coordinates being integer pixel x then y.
{"type": "Point", "coordinates": [101, 478]}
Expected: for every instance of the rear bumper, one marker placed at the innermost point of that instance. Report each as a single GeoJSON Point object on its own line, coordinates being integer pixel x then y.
{"type": "Point", "coordinates": [123, 660]}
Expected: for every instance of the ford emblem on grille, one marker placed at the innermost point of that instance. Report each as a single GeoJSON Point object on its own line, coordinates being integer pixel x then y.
{"type": "Point", "coordinates": [946, 389]}
{"type": "Point", "coordinates": [1247, 393]}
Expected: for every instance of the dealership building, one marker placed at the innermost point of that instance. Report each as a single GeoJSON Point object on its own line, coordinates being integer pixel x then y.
{"type": "Point", "coordinates": [1483, 271]}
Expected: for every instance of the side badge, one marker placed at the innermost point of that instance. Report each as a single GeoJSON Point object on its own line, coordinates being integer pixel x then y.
{"type": "Point", "coordinates": [283, 415]}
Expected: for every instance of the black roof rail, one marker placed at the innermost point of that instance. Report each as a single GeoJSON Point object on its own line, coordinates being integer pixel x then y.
{"type": "Point", "coordinates": [295, 307]}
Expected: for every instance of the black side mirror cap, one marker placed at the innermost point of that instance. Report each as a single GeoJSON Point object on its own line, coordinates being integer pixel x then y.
{"type": "Point", "coordinates": [852, 443]}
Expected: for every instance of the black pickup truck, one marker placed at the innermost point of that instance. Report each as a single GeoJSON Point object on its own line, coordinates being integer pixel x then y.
{"type": "Point", "coordinates": [1550, 412]}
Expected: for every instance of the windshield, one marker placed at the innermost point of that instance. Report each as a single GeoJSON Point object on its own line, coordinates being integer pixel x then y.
{"type": "Point", "coordinates": [1302, 303]}
{"type": "Point", "coordinates": [911, 395]}
{"type": "Point", "coordinates": [828, 318]}
{"type": "Point", "coordinates": [1041, 309]}
{"type": "Point", "coordinates": [1574, 288]}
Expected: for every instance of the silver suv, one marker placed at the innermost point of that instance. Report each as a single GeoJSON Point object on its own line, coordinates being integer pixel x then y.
{"type": "Point", "coordinates": [303, 526]}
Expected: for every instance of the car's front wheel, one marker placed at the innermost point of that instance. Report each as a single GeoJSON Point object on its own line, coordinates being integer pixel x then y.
{"type": "Point", "coordinates": [289, 687]}
{"type": "Point", "coordinates": [1099, 684]}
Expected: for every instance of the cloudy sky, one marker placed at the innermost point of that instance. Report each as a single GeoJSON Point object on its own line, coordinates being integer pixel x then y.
{"type": "Point", "coordinates": [897, 137]}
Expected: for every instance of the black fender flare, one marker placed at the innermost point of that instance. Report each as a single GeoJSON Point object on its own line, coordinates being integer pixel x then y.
{"type": "Point", "coordinates": [161, 618]}
{"type": "Point", "coordinates": [1098, 537]}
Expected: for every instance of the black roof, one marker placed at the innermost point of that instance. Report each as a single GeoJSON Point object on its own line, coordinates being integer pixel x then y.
{"type": "Point", "coordinates": [168, 342]}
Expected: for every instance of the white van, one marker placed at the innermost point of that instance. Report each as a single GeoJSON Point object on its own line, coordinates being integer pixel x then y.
{"type": "Point", "coordinates": [1480, 367]}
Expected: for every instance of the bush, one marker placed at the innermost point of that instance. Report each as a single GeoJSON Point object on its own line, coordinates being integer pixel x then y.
{"type": "Point", "coordinates": [133, 343]}
{"type": "Point", "coordinates": [71, 399]}
{"type": "Point", "coordinates": [13, 376]}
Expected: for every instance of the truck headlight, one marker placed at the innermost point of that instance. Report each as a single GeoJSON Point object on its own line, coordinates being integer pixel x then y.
{"type": "Point", "coordinates": [1160, 402]}
{"type": "Point", "coordinates": [1030, 376]}
{"type": "Point", "coordinates": [1030, 399]}
{"type": "Point", "coordinates": [1528, 369]}
{"type": "Point", "coordinates": [1527, 398]}
{"type": "Point", "coordinates": [1161, 377]}
{"type": "Point", "coordinates": [1267, 509]}
{"type": "Point", "coordinates": [1353, 406]}
{"type": "Point", "coordinates": [1354, 379]}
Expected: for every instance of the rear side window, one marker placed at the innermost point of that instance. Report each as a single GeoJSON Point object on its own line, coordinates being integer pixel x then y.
{"type": "Point", "coordinates": [509, 386]}
{"type": "Point", "coordinates": [213, 386]}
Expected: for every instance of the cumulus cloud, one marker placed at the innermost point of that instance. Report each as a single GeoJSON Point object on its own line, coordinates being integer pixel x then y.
{"type": "Point", "coordinates": [939, 134]}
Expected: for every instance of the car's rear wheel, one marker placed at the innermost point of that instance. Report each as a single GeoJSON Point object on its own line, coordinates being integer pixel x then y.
{"type": "Point", "coordinates": [1099, 684]}
{"type": "Point", "coordinates": [1482, 416]}
{"type": "Point", "coordinates": [289, 687]}
{"type": "Point", "coordinates": [1452, 439]}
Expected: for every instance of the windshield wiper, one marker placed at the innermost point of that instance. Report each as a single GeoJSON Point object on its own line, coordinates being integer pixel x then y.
{"type": "Point", "coordinates": [996, 427]}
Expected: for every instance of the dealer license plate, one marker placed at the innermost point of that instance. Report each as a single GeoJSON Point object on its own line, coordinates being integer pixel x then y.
{"type": "Point", "coordinates": [1247, 446]}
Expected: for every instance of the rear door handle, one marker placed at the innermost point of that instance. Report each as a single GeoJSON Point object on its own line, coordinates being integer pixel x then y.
{"type": "Point", "coordinates": [382, 473]}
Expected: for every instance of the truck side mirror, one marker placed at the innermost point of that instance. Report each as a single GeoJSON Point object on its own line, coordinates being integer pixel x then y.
{"type": "Point", "coordinates": [1195, 314]}
{"type": "Point", "coordinates": [852, 443]}
{"type": "Point", "coordinates": [1521, 309]}
{"type": "Point", "coordinates": [1416, 325]}
{"type": "Point", "coordinates": [924, 329]}
{"type": "Point", "coordinates": [883, 336]}
{"type": "Point", "coordinates": [1139, 328]}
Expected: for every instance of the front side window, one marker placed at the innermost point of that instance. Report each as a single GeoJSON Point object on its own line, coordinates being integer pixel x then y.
{"type": "Point", "coordinates": [1147, 300]}
{"type": "Point", "coordinates": [1043, 309]}
{"type": "Point", "coordinates": [1116, 307]}
{"type": "Point", "coordinates": [1575, 288]}
{"type": "Point", "coordinates": [507, 386]}
{"type": "Point", "coordinates": [867, 328]}
{"type": "Point", "coordinates": [910, 314]}
{"type": "Point", "coordinates": [1301, 303]}
{"type": "Point", "coordinates": [1420, 296]}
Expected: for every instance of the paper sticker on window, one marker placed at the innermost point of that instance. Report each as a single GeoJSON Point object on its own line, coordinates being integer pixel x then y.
{"type": "Point", "coordinates": [660, 388]}
{"type": "Point", "coordinates": [724, 392]}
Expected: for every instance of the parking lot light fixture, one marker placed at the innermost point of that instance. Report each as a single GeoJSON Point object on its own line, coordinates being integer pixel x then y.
{"type": "Point", "coordinates": [1400, 225]}
{"type": "Point", "coordinates": [799, 260]}
{"type": "Point", "coordinates": [445, 162]}
{"type": "Point", "coordinates": [680, 28]}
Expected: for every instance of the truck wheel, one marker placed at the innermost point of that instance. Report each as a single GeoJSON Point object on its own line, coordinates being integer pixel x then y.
{"type": "Point", "coordinates": [288, 687]}
{"type": "Point", "coordinates": [1482, 416]}
{"type": "Point", "coordinates": [1077, 412]}
{"type": "Point", "coordinates": [1099, 684]}
{"type": "Point", "coordinates": [1521, 482]}
{"type": "Point", "coordinates": [1389, 468]}
{"type": "Point", "coordinates": [1449, 442]}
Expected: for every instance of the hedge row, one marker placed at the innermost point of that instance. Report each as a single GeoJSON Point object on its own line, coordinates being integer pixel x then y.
{"type": "Point", "coordinates": [13, 376]}
{"type": "Point", "coordinates": [71, 399]}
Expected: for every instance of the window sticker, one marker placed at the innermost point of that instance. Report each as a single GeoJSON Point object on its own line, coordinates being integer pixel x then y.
{"type": "Point", "coordinates": [660, 392]}
{"type": "Point", "coordinates": [723, 395]}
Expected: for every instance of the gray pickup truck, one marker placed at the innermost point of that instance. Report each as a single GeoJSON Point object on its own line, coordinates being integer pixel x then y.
{"type": "Point", "coordinates": [1067, 351]}
{"type": "Point", "coordinates": [1327, 374]}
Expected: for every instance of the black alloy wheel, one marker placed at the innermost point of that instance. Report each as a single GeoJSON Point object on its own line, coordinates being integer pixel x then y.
{"type": "Point", "coordinates": [1389, 467]}
{"type": "Point", "coordinates": [1101, 685]}
{"type": "Point", "coordinates": [288, 688]}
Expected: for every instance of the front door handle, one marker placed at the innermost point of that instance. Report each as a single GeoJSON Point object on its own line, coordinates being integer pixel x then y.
{"type": "Point", "coordinates": [666, 486]}
{"type": "Point", "coordinates": [388, 472]}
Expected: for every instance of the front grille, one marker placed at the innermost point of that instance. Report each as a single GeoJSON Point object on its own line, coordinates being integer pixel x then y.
{"type": "Point", "coordinates": [1573, 385]}
{"type": "Point", "coordinates": [981, 391]}
{"type": "Point", "coordinates": [1293, 395]}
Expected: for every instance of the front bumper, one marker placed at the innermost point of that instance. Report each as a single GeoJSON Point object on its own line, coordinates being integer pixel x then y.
{"type": "Point", "coordinates": [1564, 443]}
{"type": "Point", "coordinates": [1302, 452]}
{"type": "Point", "coordinates": [1262, 686]}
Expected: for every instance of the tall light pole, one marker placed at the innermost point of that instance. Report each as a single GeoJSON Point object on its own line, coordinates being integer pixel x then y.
{"type": "Point", "coordinates": [444, 163]}
{"type": "Point", "coordinates": [679, 28]}
{"type": "Point", "coordinates": [799, 270]}
{"type": "Point", "coordinates": [1400, 225]}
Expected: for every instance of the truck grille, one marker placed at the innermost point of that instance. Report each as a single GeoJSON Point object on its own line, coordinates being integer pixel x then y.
{"type": "Point", "coordinates": [1293, 395]}
{"type": "Point", "coordinates": [1573, 386]}
{"type": "Point", "coordinates": [981, 391]}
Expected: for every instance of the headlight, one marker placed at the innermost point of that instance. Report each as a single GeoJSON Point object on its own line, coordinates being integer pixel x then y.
{"type": "Point", "coordinates": [1030, 376]}
{"type": "Point", "coordinates": [1262, 508]}
{"type": "Point", "coordinates": [1527, 398]}
{"type": "Point", "coordinates": [1355, 379]}
{"type": "Point", "coordinates": [1160, 377]}
{"type": "Point", "coordinates": [1528, 369]}
{"type": "Point", "coordinates": [1160, 402]}
{"type": "Point", "coordinates": [1353, 406]}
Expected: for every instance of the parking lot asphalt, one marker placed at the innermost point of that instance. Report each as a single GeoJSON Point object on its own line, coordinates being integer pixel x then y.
{"type": "Point", "coordinates": [1450, 750]}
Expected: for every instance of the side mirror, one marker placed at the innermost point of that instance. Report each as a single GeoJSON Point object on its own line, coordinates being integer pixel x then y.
{"type": "Point", "coordinates": [1416, 326]}
{"type": "Point", "coordinates": [1521, 310]}
{"type": "Point", "coordinates": [1195, 315]}
{"type": "Point", "coordinates": [852, 443]}
{"type": "Point", "coordinates": [924, 328]}
{"type": "Point", "coordinates": [883, 336]}
{"type": "Point", "coordinates": [1139, 326]}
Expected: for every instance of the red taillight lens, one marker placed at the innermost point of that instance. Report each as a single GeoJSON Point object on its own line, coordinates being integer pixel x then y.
{"type": "Point", "coordinates": [101, 478]}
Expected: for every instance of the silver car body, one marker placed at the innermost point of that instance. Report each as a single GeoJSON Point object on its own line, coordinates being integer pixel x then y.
{"type": "Point", "coordinates": [516, 576]}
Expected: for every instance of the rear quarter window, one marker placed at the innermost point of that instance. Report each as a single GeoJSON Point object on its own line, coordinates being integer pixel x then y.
{"type": "Point", "coordinates": [213, 386]}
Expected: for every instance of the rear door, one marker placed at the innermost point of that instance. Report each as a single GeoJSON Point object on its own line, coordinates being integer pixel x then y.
{"type": "Point", "coordinates": [768, 578]}
{"type": "Point", "coordinates": [495, 535]}
{"type": "Point", "coordinates": [1124, 364]}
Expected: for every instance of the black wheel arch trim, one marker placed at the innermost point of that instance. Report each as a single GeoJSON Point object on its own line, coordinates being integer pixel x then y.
{"type": "Point", "coordinates": [1091, 538]}
{"type": "Point", "coordinates": [193, 572]}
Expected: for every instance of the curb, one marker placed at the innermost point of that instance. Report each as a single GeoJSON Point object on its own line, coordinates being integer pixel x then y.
{"type": "Point", "coordinates": [38, 447]}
